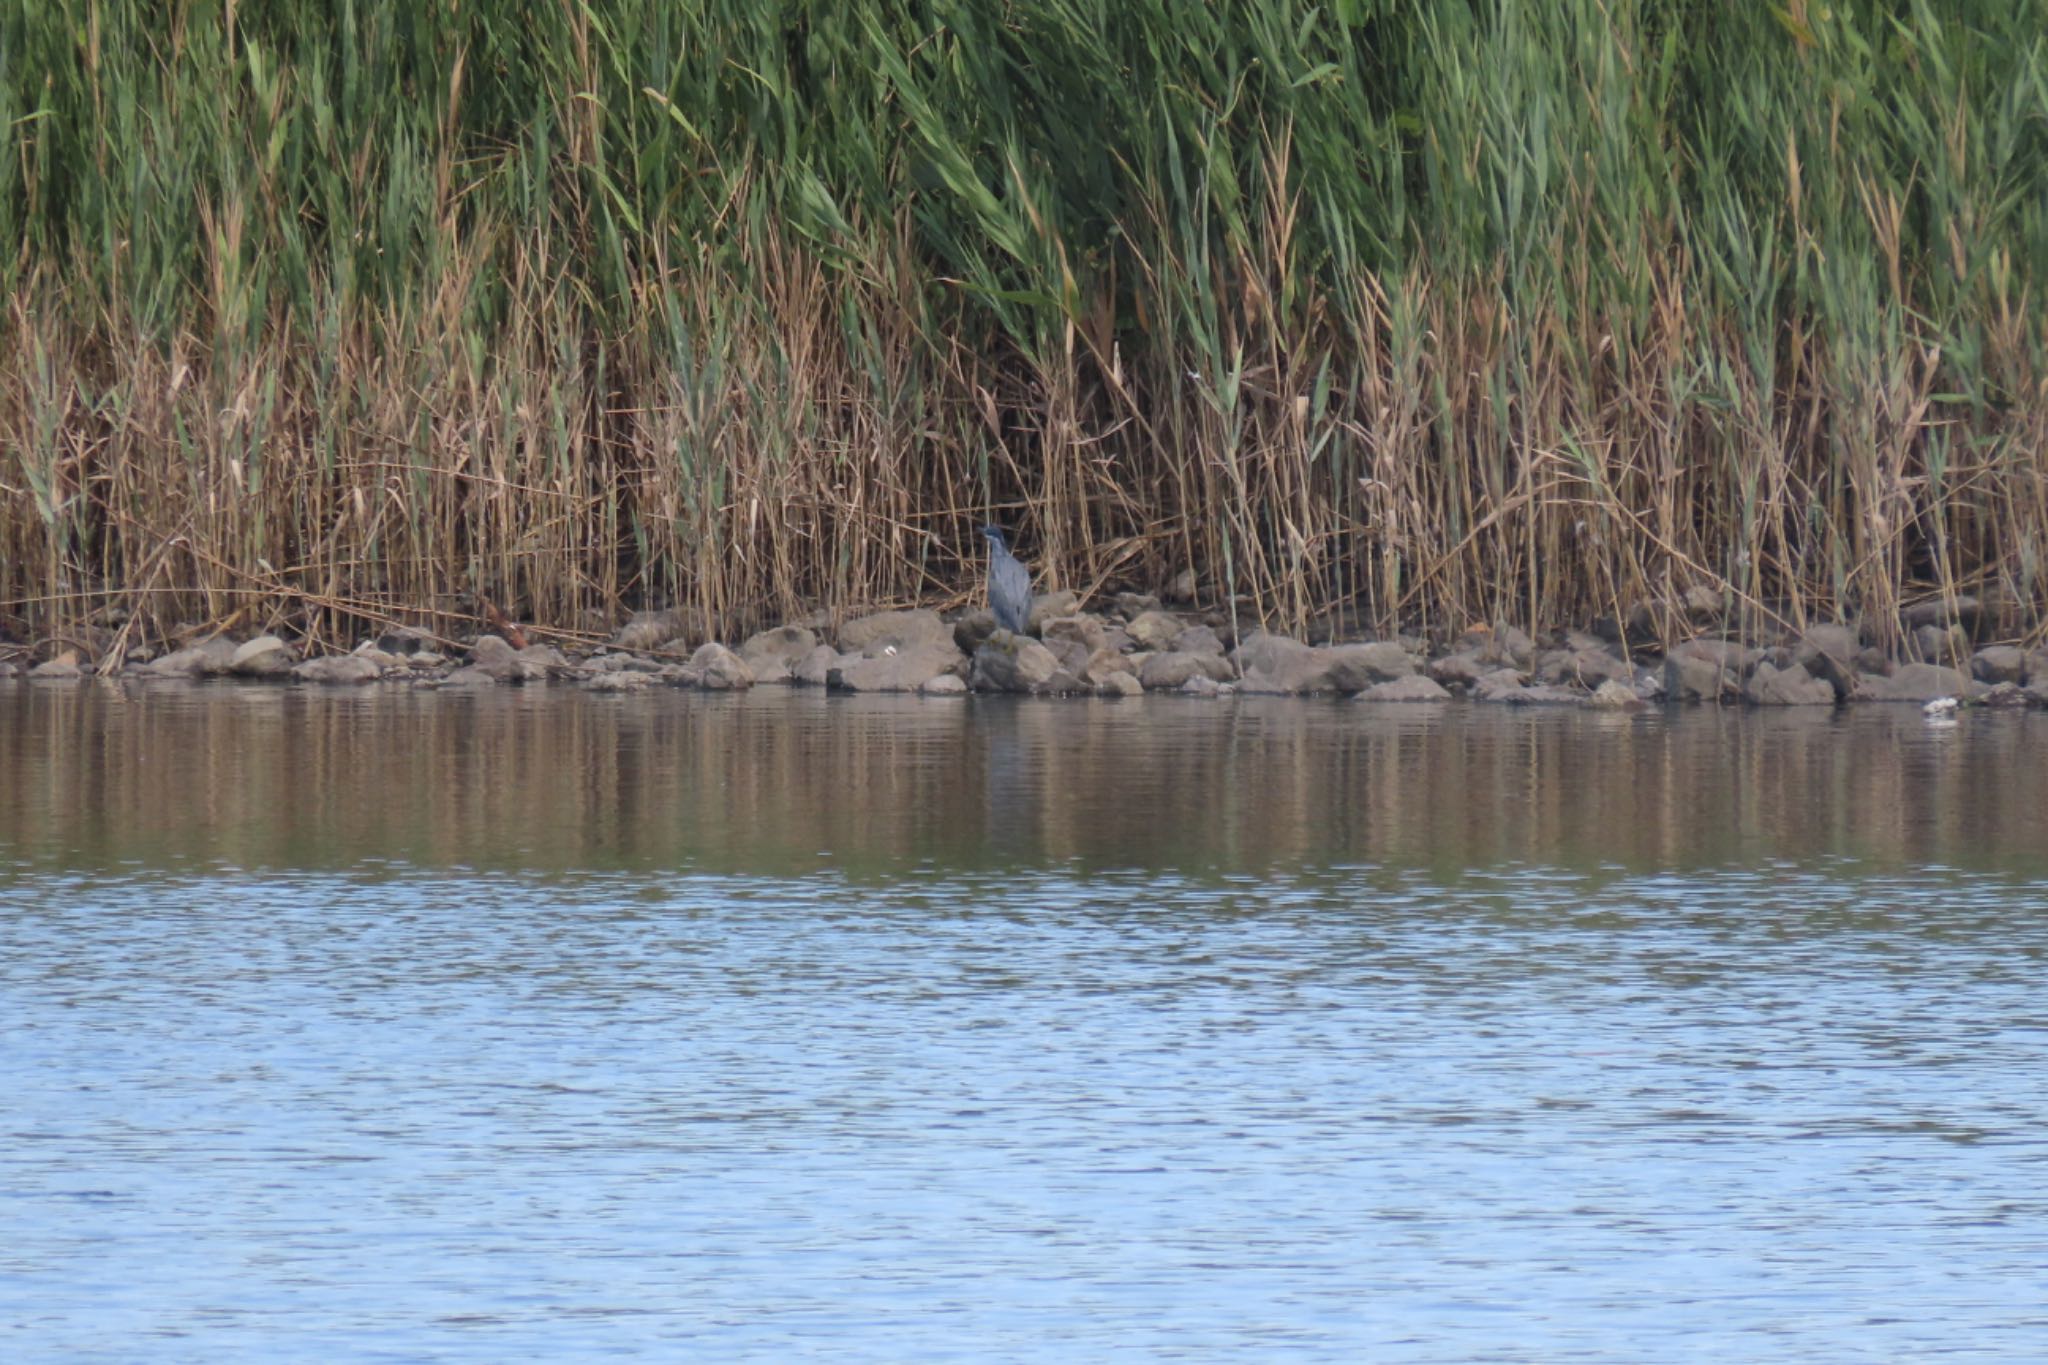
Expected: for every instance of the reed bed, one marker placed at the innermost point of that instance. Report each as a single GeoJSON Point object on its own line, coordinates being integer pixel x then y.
{"type": "Point", "coordinates": [1410, 314]}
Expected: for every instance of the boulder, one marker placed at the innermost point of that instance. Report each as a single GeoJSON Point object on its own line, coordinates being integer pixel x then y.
{"type": "Point", "coordinates": [1198, 640]}
{"type": "Point", "coordinates": [1793, 686]}
{"type": "Point", "coordinates": [1585, 665]}
{"type": "Point", "coordinates": [905, 630]}
{"type": "Point", "coordinates": [620, 680]}
{"type": "Point", "coordinates": [203, 660]}
{"type": "Point", "coordinates": [1830, 652]}
{"type": "Point", "coordinates": [1503, 645]}
{"type": "Point", "coordinates": [1999, 664]}
{"type": "Point", "coordinates": [1014, 663]}
{"type": "Point", "coordinates": [1155, 630]}
{"type": "Point", "coordinates": [1707, 670]}
{"type": "Point", "coordinates": [1048, 606]}
{"type": "Point", "coordinates": [1131, 605]}
{"type": "Point", "coordinates": [817, 666]}
{"type": "Point", "coordinates": [1924, 683]}
{"type": "Point", "coordinates": [1353, 668]}
{"type": "Point", "coordinates": [1614, 695]}
{"type": "Point", "coordinates": [338, 670]}
{"type": "Point", "coordinates": [8, 668]}
{"type": "Point", "coordinates": [1462, 669]}
{"type": "Point", "coordinates": [1538, 695]}
{"type": "Point", "coordinates": [1083, 628]}
{"type": "Point", "coordinates": [1269, 663]}
{"type": "Point", "coordinates": [1962, 610]}
{"type": "Point", "coordinates": [1201, 685]}
{"type": "Point", "coordinates": [1495, 685]}
{"type": "Point", "coordinates": [265, 656]}
{"type": "Point", "coordinates": [1938, 645]}
{"type": "Point", "coordinates": [1119, 685]}
{"type": "Point", "coordinates": [945, 685]}
{"type": "Point", "coordinates": [973, 628]}
{"type": "Point", "coordinates": [505, 664]}
{"type": "Point", "coordinates": [1166, 671]}
{"type": "Point", "coordinates": [772, 656]}
{"type": "Point", "coordinates": [1105, 664]}
{"type": "Point", "coordinates": [893, 668]}
{"type": "Point", "coordinates": [2003, 696]}
{"type": "Point", "coordinates": [1411, 688]}
{"type": "Point", "coordinates": [467, 676]}
{"type": "Point", "coordinates": [62, 669]}
{"type": "Point", "coordinates": [717, 669]}
{"type": "Point", "coordinates": [649, 630]}
{"type": "Point", "coordinates": [402, 640]}
{"type": "Point", "coordinates": [2037, 666]}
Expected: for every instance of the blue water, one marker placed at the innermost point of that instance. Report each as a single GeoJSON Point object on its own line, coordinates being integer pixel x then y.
{"type": "Point", "coordinates": [1028, 1107]}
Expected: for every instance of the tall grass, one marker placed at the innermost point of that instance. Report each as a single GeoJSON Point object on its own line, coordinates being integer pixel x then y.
{"type": "Point", "coordinates": [1421, 314]}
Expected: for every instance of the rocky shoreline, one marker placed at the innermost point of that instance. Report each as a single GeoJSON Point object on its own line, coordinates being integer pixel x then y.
{"type": "Point", "coordinates": [1134, 645]}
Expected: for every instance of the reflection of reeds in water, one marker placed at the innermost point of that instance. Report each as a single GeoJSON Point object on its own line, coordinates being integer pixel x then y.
{"type": "Point", "coordinates": [1455, 311]}
{"type": "Point", "coordinates": [790, 782]}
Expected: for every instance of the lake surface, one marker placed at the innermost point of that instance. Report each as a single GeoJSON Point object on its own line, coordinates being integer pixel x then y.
{"type": "Point", "coordinates": [387, 1025]}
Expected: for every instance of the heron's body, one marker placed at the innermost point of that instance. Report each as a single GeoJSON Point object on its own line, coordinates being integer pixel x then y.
{"type": "Point", "coordinates": [1009, 584]}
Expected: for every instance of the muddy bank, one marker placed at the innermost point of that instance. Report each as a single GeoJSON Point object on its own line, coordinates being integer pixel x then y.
{"type": "Point", "coordinates": [1130, 645]}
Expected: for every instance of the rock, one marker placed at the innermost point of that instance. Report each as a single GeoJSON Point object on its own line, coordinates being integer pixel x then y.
{"type": "Point", "coordinates": [772, 656]}
{"type": "Point", "coordinates": [401, 640]}
{"type": "Point", "coordinates": [1700, 604]}
{"type": "Point", "coordinates": [205, 659]}
{"type": "Point", "coordinates": [1793, 686]}
{"type": "Point", "coordinates": [1830, 652]}
{"type": "Point", "coordinates": [945, 685]}
{"type": "Point", "coordinates": [1497, 684]}
{"type": "Point", "coordinates": [649, 630]}
{"type": "Point", "coordinates": [1924, 683]}
{"type": "Point", "coordinates": [1183, 587]}
{"type": "Point", "coordinates": [1503, 645]}
{"type": "Point", "coordinates": [2003, 696]}
{"type": "Point", "coordinates": [2037, 666]}
{"type": "Point", "coordinates": [1155, 630]}
{"type": "Point", "coordinates": [1539, 695]}
{"type": "Point", "coordinates": [1938, 645]}
{"type": "Point", "coordinates": [715, 668]}
{"type": "Point", "coordinates": [1049, 606]}
{"type": "Point", "coordinates": [1411, 688]}
{"type": "Point", "coordinates": [1014, 663]}
{"type": "Point", "coordinates": [890, 668]}
{"type": "Point", "coordinates": [338, 670]}
{"type": "Point", "coordinates": [1269, 663]}
{"type": "Point", "coordinates": [2037, 692]}
{"type": "Point", "coordinates": [1072, 654]}
{"type": "Point", "coordinates": [1614, 695]}
{"type": "Point", "coordinates": [1198, 640]}
{"type": "Point", "coordinates": [1999, 664]}
{"type": "Point", "coordinates": [368, 650]}
{"type": "Point", "coordinates": [1201, 685]}
{"type": "Point", "coordinates": [63, 669]}
{"type": "Point", "coordinates": [263, 657]}
{"type": "Point", "coordinates": [8, 668]}
{"type": "Point", "coordinates": [1131, 605]}
{"type": "Point", "coordinates": [1105, 664]}
{"type": "Point", "coordinates": [905, 630]}
{"type": "Point", "coordinates": [1353, 668]}
{"type": "Point", "coordinates": [1166, 671]}
{"type": "Point", "coordinates": [1587, 666]}
{"type": "Point", "coordinates": [1083, 628]}
{"type": "Point", "coordinates": [620, 680]}
{"type": "Point", "coordinates": [1119, 685]}
{"type": "Point", "coordinates": [816, 669]}
{"type": "Point", "coordinates": [1462, 669]}
{"type": "Point", "coordinates": [1707, 670]}
{"type": "Point", "coordinates": [505, 664]}
{"type": "Point", "coordinates": [467, 676]}
{"type": "Point", "coordinates": [973, 628]}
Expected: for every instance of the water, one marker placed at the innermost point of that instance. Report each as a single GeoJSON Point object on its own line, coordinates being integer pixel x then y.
{"type": "Point", "coordinates": [383, 1025]}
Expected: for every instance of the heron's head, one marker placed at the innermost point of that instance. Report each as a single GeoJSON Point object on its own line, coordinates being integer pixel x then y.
{"type": "Point", "coordinates": [994, 535]}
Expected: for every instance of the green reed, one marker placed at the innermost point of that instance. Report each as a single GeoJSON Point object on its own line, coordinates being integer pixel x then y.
{"type": "Point", "coordinates": [1422, 313]}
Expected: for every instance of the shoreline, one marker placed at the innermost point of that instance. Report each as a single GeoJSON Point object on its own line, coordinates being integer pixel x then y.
{"type": "Point", "coordinates": [1130, 646]}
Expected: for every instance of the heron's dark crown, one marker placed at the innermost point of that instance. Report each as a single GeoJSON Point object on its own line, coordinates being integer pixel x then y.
{"type": "Point", "coordinates": [994, 533]}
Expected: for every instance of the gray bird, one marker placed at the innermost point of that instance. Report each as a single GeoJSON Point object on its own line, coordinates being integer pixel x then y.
{"type": "Point", "coordinates": [1009, 584]}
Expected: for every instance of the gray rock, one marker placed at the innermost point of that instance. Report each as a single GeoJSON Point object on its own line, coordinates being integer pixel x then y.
{"type": "Point", "coordinates": [1586, 666]}
{"type": "Point", "coordinates": [468, 676]}
{"type": "Point", "coordinates": [2037, 692]}
{"type": "Point", "coordinates": [1938, 645]}
{"type": "Point", "coordinates": [1539, 695]}
{"type": "Point", "coordinates": [1131, 605]}
{"type": "Point", "coordinates": [338, 670]}
{"type": "Point", "coordinates": [1830, 652]}
{"type": "Point", "coordinates": [1201, 685]}
{"type": "Point", "coordinates": [1014, 663]}
{"type": "Point", "coordinates": [905, 630]}
{"type": "Point", "coordinates": [1700, 604]}
{"type": "Point", "coordinates": [400, 640]}
{"type": "Point", "coordinates": [817, 667]}
{"type": "Point", "coordinates": [1614, 695]}
{"type": "Point", "coordinates": [1119, 685]}
{"type": "Point", "coordinates": [1198, 640]}
{"type": "Point", "coordinates": [650, 630]}
{"type": "Point", "coordinates": [57, 670]}
{"type": "Point", "coordinates": [1085, 629]}
{"type": "Point", "coordinates": [2003, 696]}
{"type": "Point", "coordinates": [2037, 666]}
{"type": "Point", "coordinates": [890, 668]}
{"type": "Point", "coordinates": [1707, 670]}
{"type": "Point", "coordinates": [945, 685]}
{"type": "Point", "coordinates": [1999, 664]}
{"type": "Point", "coordinates": [1275, 664]}
{"type": "Point", "coordinates": [1165, 671]}
{"type": "Point", "coordinates": [1048, 606]}
{"type": "Point", "coordinates": [1408, 689]}
{"type": "Point", "coordinates": [1105, 664]}
{"type": "Point", "coordinates": [1498, 684]}
{"type": "Point", "coordinates": [1353, 668]}
{"type": "Point", "coordinates": [1793, 686]}
{"type": "Point", "coordinates": [505, 664]}
{"type": "Point", "coordinates": [715, 668]}
{"type": "Point", "coordinates": [620, 680]}
{"type": "Point", "coordinates": [1940, 612]}
{"type": "Point", "coordinates": [1155, 630]}
{"type": "Point", "coordinates": [8, 669]}
{"type": "Point", "coordinates": [263, 657]}
{"type": "Point", "coordinates": [1462, 669]}
{"type": "Point", "coordinates": [1504, 645]}
{"type": "Point", "coordinates": [772, 656]}
{"type": "Point", "coordinates": [1924, 683]}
